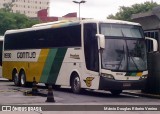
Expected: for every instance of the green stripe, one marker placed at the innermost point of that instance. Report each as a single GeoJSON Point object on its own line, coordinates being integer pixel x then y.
{"type": "Point", "coordinates": [131, 74]}
{"type": "Point", "coordinates": [57, 63]}
{"type": "Point", "coordinates": [48, 65]}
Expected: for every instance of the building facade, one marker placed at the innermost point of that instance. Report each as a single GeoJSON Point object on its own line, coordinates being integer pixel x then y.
{"type": "Point", "coordinates": [150, 22]}
{"type": "Point", "coordinates": [27, 7]}
{"type": "Point", "coordinates": [43, 16]}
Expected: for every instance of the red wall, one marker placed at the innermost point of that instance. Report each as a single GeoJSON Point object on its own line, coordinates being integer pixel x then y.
{"type": "Point", "coordinates": [43, 16]}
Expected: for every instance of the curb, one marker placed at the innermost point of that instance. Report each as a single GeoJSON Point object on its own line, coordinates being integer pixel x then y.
{"type": "Point", "coordinates": [144, 94]}
{"type": "Point", "coordinates": [3, 80]}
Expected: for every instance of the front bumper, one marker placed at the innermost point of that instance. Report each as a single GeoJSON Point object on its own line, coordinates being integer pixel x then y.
{"type": "Point", "coordinates": [111, 84]}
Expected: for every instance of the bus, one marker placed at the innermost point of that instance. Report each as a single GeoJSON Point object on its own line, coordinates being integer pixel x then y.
{"type": "Point", "coordinates": [85, 54]}
{"type": "Point", "coordinates": [1, 49]}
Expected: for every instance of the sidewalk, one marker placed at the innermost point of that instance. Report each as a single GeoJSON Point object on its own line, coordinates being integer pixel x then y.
{"type": "Point", "coordinates": [139, 93]}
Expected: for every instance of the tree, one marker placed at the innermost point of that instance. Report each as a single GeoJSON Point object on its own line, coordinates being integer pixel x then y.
{"type": "Point", "coordinates": [125, 13]}
{"type": "Point", "coordinates": [8, 6]}
{"type": "Point", "coordinates": [9, 20]}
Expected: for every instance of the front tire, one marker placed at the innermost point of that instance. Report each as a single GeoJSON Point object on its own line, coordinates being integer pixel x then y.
{"type": "Point", "coordinates": [76, 84]}
{"type": "Point", "coordinates": [116, 92]}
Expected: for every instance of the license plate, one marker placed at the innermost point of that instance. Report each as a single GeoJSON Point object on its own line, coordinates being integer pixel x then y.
{"type": "Point", "coordinates": [126, 84]}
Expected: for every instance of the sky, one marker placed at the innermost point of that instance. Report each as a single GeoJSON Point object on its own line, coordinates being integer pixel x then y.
{"type": "Point", "coordinates": [97, 9]}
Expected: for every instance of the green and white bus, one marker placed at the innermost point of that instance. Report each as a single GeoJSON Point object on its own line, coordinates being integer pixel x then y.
{"type": "Point", "coordinates": [90, 54]}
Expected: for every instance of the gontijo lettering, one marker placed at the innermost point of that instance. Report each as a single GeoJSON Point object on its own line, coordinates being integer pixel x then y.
{"type": "Point", "coordinates": [26, 54]}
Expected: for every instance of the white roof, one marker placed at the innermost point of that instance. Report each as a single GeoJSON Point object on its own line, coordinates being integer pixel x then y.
{"type": "Point", "coordinates": [63, 22]}
{"type": "Point", "coordinates": [110, 21]}
{"type": "Point", "coordinates": [1, 38]}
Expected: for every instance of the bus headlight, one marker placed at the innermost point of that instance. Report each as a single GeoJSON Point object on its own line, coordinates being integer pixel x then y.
{"type": "Point", "coordinates": [107, 76]}
{"type": "Point", "coordinates": [143, 77]}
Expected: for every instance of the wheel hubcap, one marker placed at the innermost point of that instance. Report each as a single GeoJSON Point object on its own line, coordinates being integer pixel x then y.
{"type": "Point", "coordinates": [16, 78]}
{"type": "Point", "coordinates": [22, 79]}
{"type": "Point", "coordinates": [76, 83]}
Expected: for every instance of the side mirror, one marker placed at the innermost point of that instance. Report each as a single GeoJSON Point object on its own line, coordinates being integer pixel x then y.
{"type": "Point", "coordinates": [101, 39]}
{"type": "Point", "coordinates": [154, 43]}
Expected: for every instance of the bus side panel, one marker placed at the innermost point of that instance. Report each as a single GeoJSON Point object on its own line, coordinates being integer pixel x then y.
{"type": "Point", "coordinates": [7, 69]}
{"type": "Point", "coordinates": [74, 62]}
{"type": "Point", "coordinates": [44, 67]}
{"type": "Point", "coordinates": [22, 59]}
{"type": "Point", "coordinates": [36, 68]}
{"type": "Point", "coordinates": [9, 66]}
{"type": "Point", "coordinates": [53, 65]}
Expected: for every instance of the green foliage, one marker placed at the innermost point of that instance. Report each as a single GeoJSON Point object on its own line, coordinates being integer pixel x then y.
{"type": "Point", "coordinates": [10, 20]}
{"type": "Point", "coordinates": [125, 13]}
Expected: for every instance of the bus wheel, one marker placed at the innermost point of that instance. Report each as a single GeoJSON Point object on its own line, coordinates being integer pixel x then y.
{"type": "Point", "coordinates": [56, 87]}
{"type": "Point", "coordinates": [16, 78]}
{"type": "Point", "coordinates": [116, 92]}
{"type": "Point", "coordinates": [76, 84]}
{"type": "Point", "coordinates": [22, 78]}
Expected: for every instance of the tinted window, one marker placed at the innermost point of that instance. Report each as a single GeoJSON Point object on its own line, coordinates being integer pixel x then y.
{"type": "Point", "coordinates": [53, 37]}
{"type": "Point", "coordinates": [120, 30]}
{"type": "Point", "coordinates": [1, 48]}
{"type": "Point", "coordinates": [91, 47]}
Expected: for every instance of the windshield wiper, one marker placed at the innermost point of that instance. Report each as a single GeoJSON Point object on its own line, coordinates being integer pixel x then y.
{"type": "Point", "coordinates": [130, 57]}
{"type": "Point", "coordinates": [134, 62]}
{"type": "Point", "coordinates": [121, 59]}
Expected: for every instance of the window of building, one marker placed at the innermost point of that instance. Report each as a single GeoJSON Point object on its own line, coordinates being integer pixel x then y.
{"type": "Point", "coordinates": [152, 34]}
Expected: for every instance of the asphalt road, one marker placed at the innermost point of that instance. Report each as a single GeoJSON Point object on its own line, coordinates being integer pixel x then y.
{"type": "Point", "coordinates": [12, 95]}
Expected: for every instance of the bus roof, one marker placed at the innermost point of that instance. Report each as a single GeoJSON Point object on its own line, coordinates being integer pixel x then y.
{"type": "Point", "coordinates": [63, 23]}
{"type": "Point", "coordinates": [1, 38]}
{"type": "Point", "coordinates": [111, 21]}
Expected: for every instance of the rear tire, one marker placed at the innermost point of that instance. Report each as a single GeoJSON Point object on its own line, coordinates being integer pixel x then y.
{"type": "Point", "coordinates": [22, 78]}
{"type": "Point", "coordinates": [16, 78]}
{"type": "Point", "coordinates": [116, 92]}
{"type": "Point", "coordinates": [76, 84]}
{"type": "Point", "coordinates": [56, 87]}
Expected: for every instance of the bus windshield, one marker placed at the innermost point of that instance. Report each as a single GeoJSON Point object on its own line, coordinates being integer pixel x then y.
{"type": "Point", "coordinates": [126, 51]}
{"type": "Point", "coordinates": [121, 30]}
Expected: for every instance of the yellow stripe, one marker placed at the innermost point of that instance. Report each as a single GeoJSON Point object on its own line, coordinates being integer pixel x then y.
{"type": "Point", "coordinates": [38, 67]}
{"type": "Point", "coordinates": [139, 74]}
{"type": "Point", "coordinates": [32, 69]}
